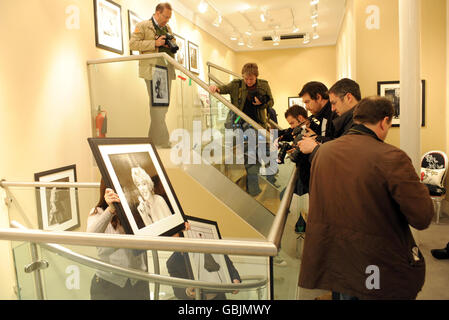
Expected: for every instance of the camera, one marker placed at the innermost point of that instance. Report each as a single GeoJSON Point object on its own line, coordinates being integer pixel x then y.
{"type": "Point", "coordinates": [291, 135]}
{"type": "Point", "coordinates": [171, 43]}
{"type": "Point", "coordinates": [263, 98]}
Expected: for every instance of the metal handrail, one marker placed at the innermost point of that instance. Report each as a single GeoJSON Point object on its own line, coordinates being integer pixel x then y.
{"type": "Point", "coordinates": [62, 185]}
{"type": "Point", "coordinates": [259, 281]}
{"type": "Point", "coordinates": [216, 66]}
{"type": "Point", "coordinates": [192, 76]}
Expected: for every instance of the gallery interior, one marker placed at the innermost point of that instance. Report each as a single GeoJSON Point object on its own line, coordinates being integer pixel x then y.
{"type": "Point", "coordinates": [63, 80]}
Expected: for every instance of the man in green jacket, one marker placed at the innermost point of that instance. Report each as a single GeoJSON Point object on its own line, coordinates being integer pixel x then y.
{"type": "Point", "coordinates": [252, 96]}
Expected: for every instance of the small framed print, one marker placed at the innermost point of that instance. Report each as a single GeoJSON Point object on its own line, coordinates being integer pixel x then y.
{"type": "Point", "coordinates": [181, 56]}
{"type": "Point", "coordinates": [194, 57]}
{"type": "Point", "coordinates": [133, 20]}
{"type": "Point", "coordinates": [57, 207]}
{"type": "Point", "coordinates": [391, 91]}
{"type": "Point", "coordinates": [160, 92]}
{"type": "Point", "coordinates": [132, 168]}
{"type": "Point", "coordinates": [108, 26]}
{"type": "Point", "coordinates": [295, 100]}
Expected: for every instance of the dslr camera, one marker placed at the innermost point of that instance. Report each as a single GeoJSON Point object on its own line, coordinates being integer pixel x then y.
{"type": "Point", "coordinates": [289, 141]}
{"type": "Point", "coordinates": [171, 43]}
{"type": "Point", "coordinates": [263, 98]}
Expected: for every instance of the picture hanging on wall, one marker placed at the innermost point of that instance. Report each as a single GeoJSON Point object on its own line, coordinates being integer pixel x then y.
{"type": "Point", "coordinates": [391, 90]}
{"type": "Point", "coordinates": [131, 166]}
{"type": "Point", "coordinates": [181, 53]}
{"type": "Point", "coordinates": [295, 100]}
{"type": "Point", "coordinates": [133, 20]}
{"type": "Point", "coordinates": [108, 25]}
{"type": "Point", "coordinates": [160, 91]}
{"type": "Point", "coordinates": [194, 57]}
{"type": "Point", "coordinates": [57, 207]}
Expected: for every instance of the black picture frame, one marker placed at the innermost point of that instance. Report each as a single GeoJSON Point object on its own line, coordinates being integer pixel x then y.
{"type": "Point", "coordinates": [108, 26]}
{"type": "Point", "coordinates": [194, 57]}
{"type": "Point", "coordinates": [119, 160]}
{"type": "Point", "coordinates": [57, 208]}
{"type": "Point", "coordinates": [133, 20]}
{"type": "Point", "coordinates": [295, 100]}
{"type": "Point", "coordinates": [160, 89]}
{"type": "Point", "coordinates": [195, 262]}
{"type": "Point", "coordinates": [390, 90]}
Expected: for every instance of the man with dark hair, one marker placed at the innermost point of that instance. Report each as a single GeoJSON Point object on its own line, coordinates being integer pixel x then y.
{"type": "Point", "coordinates": [343, 97]}
{"type": "Point", "coordinates": [149, 37]}
{"type": "Point", "coordinates": [364, 194]}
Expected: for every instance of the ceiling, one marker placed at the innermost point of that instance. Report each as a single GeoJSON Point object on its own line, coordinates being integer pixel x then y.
{"type": "Point", "coordinates": [281, 17]}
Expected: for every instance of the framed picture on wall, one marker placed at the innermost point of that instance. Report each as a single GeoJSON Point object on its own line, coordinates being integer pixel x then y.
{"type": "Point", "coordinates": [131, 166]}
{"type": "Point", "coordinates": [160, 94]}
{"type": "Point", "coordinates": [205, 266]}
{"type": "Point", "coordinates": [391, 90]}
{"type": "Point", "coordinates": [295, 100]}
{"type": "Point", "coordinates": [133, 20]}
{"type": "Point", "coordinates": [57, 207]}
{"type": "Point", "coordinates": [194, 57]}
{"type": "Point", "coordinates": [181, 53]}
{"type": "Point", "coordinates": [108, 25]}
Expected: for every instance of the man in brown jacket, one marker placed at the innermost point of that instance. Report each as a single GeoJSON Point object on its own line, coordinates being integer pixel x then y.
{"type": "Point", "coordinates": [364, 194]}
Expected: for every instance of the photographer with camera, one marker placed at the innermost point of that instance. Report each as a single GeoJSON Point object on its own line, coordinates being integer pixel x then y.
{"type": "Point", "coordinates": [151, 36]}
{"type": "Point", "coordinates": [252, 96]}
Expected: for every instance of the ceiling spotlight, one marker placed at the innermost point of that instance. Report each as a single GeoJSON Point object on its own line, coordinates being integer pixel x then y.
{"type": "Point", "coordinates": [295, 29]}
{"type": "Point", "coordinates": [315, 23]}
{"type": "Point", "coordinates": [218, 21]}
{"type": "Point", "coordinates": [306, 38]}
{"type": "Point", "coordinates": [262, 17]}
{"type": "Point", "coordinates": [202, 7]}
{"type": "Point", "coordinates": [250, 43]}
{"type": "Point", "coordinates": [314, 2]}
{"type": "Point", "coordinates": [315, 36]}
{"type": "Point", "coordinates": [234, 36]}
{"type": "Point", "coordinates": [241, 42]}
{"type": "Point", "coordinates": [275, 43]}
{"type": "Point", "coordinates": [314, 15]}
{"type": "Point", "coordinates": [249, 32]}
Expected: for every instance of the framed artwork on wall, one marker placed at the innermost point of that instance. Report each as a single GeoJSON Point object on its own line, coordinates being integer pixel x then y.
{"type": "Point", "coordinates": [181, 53]}
{"type": "Point", "coordinates": [108, 26]}
{"type": "Point", "coordinates": [194, 57]}
{"type": "Point", "coordinates": [391, 90]}
{"type": "Point", "coordinates": [57, 208]}
{"type": "Point", "coordinates": [295, 100]}
{"type": "Point", "coordinates": [160, 91]}
{"type": "Point", "coordinates": [133, 20]}
{"type": "Point", "coordinates": [132, 168]}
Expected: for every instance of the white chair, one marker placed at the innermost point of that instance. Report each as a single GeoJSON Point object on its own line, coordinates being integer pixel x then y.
{"type": "Point", "coordinates": [434, 165]}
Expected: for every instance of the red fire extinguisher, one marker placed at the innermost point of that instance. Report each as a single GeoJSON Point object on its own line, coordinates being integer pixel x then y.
{"type": "Point", "coordinates": [101, 123]}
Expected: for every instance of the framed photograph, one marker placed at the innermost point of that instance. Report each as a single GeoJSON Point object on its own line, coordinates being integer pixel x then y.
{"type": "Point", "coordinates": [160, 94]}
{"type": "Point", "coordinates": [295, 100]}
{"type": "Point", "coordinates": [181, 53]}
{"type": "Point", "coordinates": [57, 207]}
{"type": "Point", "coordinates": [133, 20]}
{"type": "Point", "coordinates": [391, 90]}
{"type": "Point", "coordinates": [132, 168]}
{"type": "Point", "coordinates": [108, 26]}
{"type": "Point", "coordinates": [205, 266]}
{"type": "Point", "coordinates": [194, 57]}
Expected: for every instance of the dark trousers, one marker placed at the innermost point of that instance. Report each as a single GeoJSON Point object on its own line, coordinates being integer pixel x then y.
{"type": "Point", "coordinates": [101, 289]}
{"type": "Point", "coordinates": [342, 296]}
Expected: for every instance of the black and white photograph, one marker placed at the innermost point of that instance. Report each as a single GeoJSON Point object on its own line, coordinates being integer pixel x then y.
{"type": "Point", "coordinates": [133, 20]}
{"type": "Point", "coordinates": [57, 207]}
{"type": "Point", "coordinates": [392, 91]}
{"type": "Point", "coordinates": [194, 57]}
{"type": "Point", "coordinates": [181, 55]}
{"type": "Point", "coordinates": [205, 266]}
{"type": "Point", "coordinates": [160, 92]}
{"type": "Point", "coordinates": [132, 168]}
{"type": "Point", "coordinates": [108, 26]}
{"type": "Point", "coordinates": [295, 101]}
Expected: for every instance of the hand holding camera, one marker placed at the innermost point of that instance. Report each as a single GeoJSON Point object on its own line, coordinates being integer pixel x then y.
{"type": "Point", "coordinates": [168, 41]}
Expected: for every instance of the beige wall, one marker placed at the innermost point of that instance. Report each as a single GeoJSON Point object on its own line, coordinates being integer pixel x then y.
{"type": "Point", "coordinates": [378, 60]}
{"type": "Point", "coordinates": [289, 69]}
{"type": "Point", "coordinates": [346, 45]}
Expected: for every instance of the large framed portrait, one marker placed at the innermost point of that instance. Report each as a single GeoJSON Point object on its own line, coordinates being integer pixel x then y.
{"type": "Point", "coordinates": [133, 20]}
{"type": "Point", "coordinates": [160, 91]}
{"type": "Point", "coordinates": [205, 266]}
{"type": "Point", "coordinates": [194, 57]}
{"type": "Point", "coordinates": [181, 53]}
{"type": "Point", "coordinates": [391, 90]}
{"type": "Point", "coordinates": [57, 208]}
{"type": "Point", "coordinates": [108, 26]}
{"type": "Point", "coordinates": [132, 168]}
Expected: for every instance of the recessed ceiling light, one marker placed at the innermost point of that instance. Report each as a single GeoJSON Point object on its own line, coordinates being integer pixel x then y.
{"type": "Point", "coordinates": [202, 7]}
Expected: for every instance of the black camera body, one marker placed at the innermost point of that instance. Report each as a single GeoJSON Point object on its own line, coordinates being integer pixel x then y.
{"type": "Point", "coordinates": [263, 98]}
{"type": "Point", "coordinates": [171, 43]}
{"type": "Point", "coordinates": [291, 135]}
